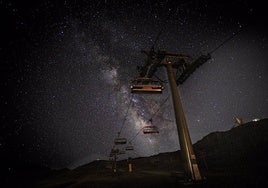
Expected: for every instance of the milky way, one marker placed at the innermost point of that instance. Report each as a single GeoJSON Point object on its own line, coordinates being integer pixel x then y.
{"type": "Point", "coordinates": [67, 68]}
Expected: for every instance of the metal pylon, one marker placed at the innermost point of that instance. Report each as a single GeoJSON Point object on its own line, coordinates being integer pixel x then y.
{"type": "Point", "coordinates": [187, 153]}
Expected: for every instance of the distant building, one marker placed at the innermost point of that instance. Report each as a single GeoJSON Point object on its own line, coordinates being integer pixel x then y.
{"type": "Point", "coordinates": [239, 121]}
{"type": "Point", "coordinates": [256, 119]}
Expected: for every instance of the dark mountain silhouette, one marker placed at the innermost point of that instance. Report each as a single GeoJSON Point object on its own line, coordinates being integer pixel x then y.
{"type": "Point", "coordinates": [243, 147]}
{"type": "Point", "coordinates": [233, 158]}
{"type": "Point", "coordinates": [236, 157]}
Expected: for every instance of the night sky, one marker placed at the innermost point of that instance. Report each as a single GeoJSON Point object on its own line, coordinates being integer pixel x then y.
{"type": "Point", "coordinates": [66, 68]}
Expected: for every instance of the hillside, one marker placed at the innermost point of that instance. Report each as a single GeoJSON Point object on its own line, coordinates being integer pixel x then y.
{"type": "Point", "coordinates": [242, 147]}
{"type": "Point", "coordinates": [233, 158]}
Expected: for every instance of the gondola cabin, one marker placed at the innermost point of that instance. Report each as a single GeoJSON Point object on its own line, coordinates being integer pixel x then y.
{"type": "Point", "coordinates": [129, 148]}
{"type": "Point", "coordinates": [121, 152]}
{"type": "Point", "coordinates": [119, 141]}
{"type": "Point", "coordinates": [150, 130]}
{"type": "Point", "coordinates": [146, 85]}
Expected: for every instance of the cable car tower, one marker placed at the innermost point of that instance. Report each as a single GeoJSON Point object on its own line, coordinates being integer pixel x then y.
{"type": "Point", "coordinates": [145, 83]}
{"type": "Point", "coordinates": [185, 65]}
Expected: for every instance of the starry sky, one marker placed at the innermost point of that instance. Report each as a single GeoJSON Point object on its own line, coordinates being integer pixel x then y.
{"type": "Point", "coordinates": [66, 68]}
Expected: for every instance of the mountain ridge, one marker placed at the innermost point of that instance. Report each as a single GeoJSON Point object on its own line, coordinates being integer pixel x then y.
{"type": "Point", "coordinates": [232, 158]}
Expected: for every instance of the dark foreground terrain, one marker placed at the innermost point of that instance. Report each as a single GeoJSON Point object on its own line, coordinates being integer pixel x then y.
{"type": "Point", "coordinates": [234, 158]}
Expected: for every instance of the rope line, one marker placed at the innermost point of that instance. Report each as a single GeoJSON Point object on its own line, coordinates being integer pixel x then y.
{"type": "Point", "coordinates": [226, 40]}
{"type": "Point", "coordinates": [125, 117]}
{"type": "Point", "coordinates": [158, 108]}
{"type": "Point", "coordinates": [135, 136]}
